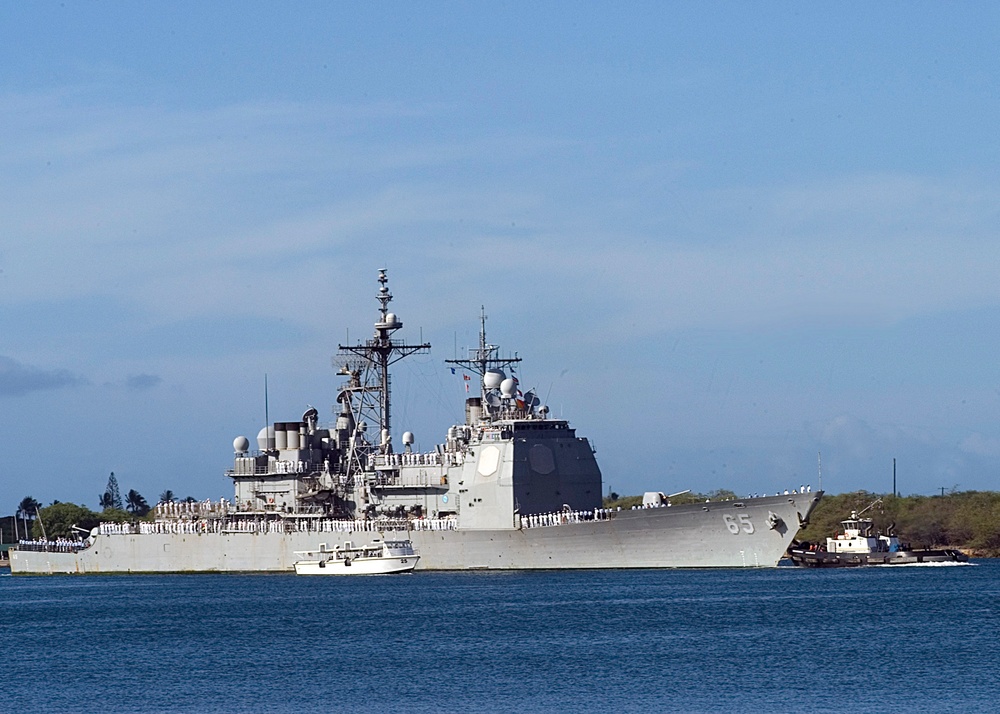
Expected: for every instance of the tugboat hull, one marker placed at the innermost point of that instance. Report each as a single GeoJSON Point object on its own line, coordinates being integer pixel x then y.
{"type": "Point", "coordinates": [822, 559]}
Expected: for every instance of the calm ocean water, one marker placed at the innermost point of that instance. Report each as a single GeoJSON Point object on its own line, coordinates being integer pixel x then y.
{"type": "Point", "coordinates": [916, 639]}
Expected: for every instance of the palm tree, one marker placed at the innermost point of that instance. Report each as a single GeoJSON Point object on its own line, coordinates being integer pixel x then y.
{"type": "Point", "coordinates": [26, 511]}
{"type": "Point", "coordinates": [28, 508]}
{"type": "Point", "coordinates": [136, 504]}
{"type": "Point", "coordinates": [167, 496]}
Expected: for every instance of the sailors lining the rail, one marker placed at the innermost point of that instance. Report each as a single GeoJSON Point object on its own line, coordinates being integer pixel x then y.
{"type": "Point", "coordinates": [542, 520]}
{"type": "Point", "coordinates": [57, 545]}
{"type": "Point", "coordinates": [331, 525]}
{"type": "Point", "coordinates": [222, 524]}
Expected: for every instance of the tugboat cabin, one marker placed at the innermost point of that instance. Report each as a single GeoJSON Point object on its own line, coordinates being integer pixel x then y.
{"type": "Point", "coordinates": [859, 536]}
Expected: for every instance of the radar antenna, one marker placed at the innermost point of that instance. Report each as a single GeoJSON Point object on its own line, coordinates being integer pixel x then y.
{"type": "Point", "coordinates": [484, 357]}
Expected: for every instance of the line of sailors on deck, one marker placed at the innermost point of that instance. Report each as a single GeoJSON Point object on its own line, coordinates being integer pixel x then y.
{"type": "Point", "coordinates": [59, 544]}
{"type": "Point", "coordinates": [801, 489]}
{"type": "Point", "coordinates": [434, 524]}
{"type": "Point", "coordinates": [562, 517]}
{"type": "Point", "coordinates": [197, 508]}
{"type": "Point", "coordinates": [381, 524]}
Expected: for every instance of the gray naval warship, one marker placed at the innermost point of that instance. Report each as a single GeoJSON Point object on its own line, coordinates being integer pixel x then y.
{"type": "Point", "coordinates": [510, 488]}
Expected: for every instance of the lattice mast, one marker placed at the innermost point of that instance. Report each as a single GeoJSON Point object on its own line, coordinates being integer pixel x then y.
{"type": "Point", "coordinates": [378, 354]}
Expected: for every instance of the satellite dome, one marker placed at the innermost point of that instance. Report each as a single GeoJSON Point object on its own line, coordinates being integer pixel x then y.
{"type": "Point", "coordinates": [407, 437]}
{"type": "Point", "coordinates": [391, 319]}
{"type": "Point", "coordinates": [508, 387]}
{"type": "Point", "coordinates": [265, 438]}
{"type": "Point", "coordinates": [241, 444]}
{"type": "Point", "coordinates": [493, 378]}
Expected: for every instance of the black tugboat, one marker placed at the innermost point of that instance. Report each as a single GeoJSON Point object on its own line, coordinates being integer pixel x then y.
{"type": "Point", "coordinates": [859, 543]}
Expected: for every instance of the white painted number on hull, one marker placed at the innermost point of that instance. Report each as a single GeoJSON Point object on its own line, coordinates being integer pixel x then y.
{"type": "Point", "coordinates": [737, 523]}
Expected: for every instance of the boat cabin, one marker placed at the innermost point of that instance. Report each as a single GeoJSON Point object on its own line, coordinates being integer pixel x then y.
{"type": "Point", "coordinates": [860, 536]}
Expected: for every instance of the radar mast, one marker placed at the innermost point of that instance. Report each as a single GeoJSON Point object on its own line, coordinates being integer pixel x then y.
{"type": "Point", "coordinates": [485, 357]}
{"type": "Point", "coordinates": [372, 359]}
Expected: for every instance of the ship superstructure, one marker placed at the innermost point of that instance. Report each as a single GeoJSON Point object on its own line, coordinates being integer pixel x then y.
{"type": "Point", "coordinates": [506, 460]}
{"type": "Point", "coordinates": [509, 487]}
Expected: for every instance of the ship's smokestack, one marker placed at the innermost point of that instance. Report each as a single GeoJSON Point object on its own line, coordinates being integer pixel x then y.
{"type": "Point", "coordinates": [473, 410]}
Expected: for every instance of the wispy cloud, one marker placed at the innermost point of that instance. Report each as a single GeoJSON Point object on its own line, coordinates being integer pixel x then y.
{"type": "Point", "coordinates": [176, 198]}
{"type": "Point", "coordinates": [142, 382]}
{"type": "Point", "coordinates": [17, 379]}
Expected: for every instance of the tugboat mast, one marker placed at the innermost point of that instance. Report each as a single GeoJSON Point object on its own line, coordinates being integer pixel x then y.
{"type": "Point", "coordinates": [378, 354]}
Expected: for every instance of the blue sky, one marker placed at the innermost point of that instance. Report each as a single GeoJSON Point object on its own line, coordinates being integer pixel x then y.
{"type": "Point", "coordinates": [725, 238]}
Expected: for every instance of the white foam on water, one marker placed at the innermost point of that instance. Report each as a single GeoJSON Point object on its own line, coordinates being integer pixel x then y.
{"type": "Point", "coordinates": [945, 564]}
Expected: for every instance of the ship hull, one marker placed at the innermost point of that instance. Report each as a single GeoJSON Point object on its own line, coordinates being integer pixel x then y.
{"type": "Point", "coordinates": [727, 534]}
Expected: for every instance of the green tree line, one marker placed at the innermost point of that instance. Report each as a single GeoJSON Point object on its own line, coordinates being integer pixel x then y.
{"type": "Point", "coordinates": [68, 520]}
{"type": "Point", "coordinates": [969, 520]}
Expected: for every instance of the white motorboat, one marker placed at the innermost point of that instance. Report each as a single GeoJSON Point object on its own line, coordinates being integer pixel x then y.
{"type": "Point", "coordinates": [376, 558]}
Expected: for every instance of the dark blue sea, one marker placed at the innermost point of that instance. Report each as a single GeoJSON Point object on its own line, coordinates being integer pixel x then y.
{"type": "Point", "coordinates": [891, 639]}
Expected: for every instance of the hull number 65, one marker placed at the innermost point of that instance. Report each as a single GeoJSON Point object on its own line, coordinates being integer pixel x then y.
{"type": "Point", "coordinates": [735, 524]}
